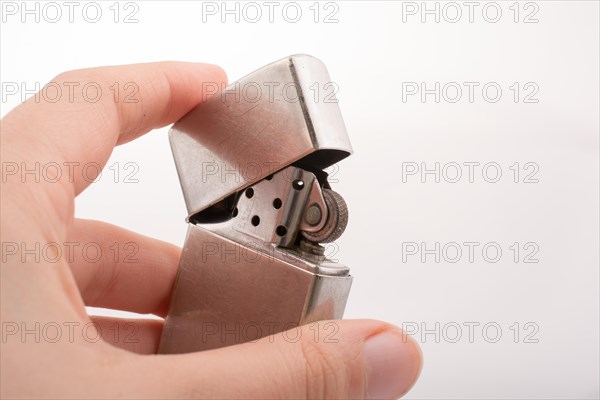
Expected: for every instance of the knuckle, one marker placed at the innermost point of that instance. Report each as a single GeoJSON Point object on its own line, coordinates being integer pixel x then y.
{"type": "Point", "coordinates": [77, 86]}
{"type": "Point", "coordinates": [325, 372]}
{"type": "Point", "coordinates": [67, 76]}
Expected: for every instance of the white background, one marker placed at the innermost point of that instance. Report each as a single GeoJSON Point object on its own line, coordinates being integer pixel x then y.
{"type": "Point", "coordinates": [370, 51]}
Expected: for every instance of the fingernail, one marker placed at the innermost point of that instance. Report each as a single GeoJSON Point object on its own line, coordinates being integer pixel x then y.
{"type": "Point", "coordinates": [393, 364]}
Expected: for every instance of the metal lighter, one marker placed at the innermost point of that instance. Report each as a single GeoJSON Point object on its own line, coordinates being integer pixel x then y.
{"type": "Point", "coordinates": [251, 163]}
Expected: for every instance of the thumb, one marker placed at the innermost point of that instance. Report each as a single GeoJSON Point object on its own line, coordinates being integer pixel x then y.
{"type": "Point", "coordinates": [323, 360]}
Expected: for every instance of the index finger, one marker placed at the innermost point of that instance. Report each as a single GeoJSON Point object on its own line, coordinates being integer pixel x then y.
{"type": "Point", "coordinates": [99, 108]}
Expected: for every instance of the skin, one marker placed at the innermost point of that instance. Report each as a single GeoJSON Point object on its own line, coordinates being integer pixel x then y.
{"type": "Point", "coordinates": [38, 291]}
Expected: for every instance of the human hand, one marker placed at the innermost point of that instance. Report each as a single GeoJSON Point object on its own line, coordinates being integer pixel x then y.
{"type": "Point", "coordinates": [369, 359]}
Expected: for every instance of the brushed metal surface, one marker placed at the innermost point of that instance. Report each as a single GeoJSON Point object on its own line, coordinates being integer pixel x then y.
{"type": "Point", "coordinates": [234, 140]}
{"type": "Point", "coordinates": [241, 279]}
{"type": "Point", "coordinates": [226, 293]}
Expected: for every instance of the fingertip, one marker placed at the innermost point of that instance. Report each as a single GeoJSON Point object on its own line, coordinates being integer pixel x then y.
{"type": "Point", "coordinates": [415, 356]}
{"type": "Point", "coordinates": [190, 84]}
{"type": "Point", "coordinates": [208, 73]}
{"type": "Point", "coordinates": [392, 362]}
{"type": "Point", "coordinates": [218, 72]}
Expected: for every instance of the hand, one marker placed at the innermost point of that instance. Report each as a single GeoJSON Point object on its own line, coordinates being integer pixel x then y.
{"type": "Point", "coordinates": [50, 347]}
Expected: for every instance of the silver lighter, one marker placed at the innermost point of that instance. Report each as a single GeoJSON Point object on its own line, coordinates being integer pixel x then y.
{"type": "Point", "coordinates": [250, 160]}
